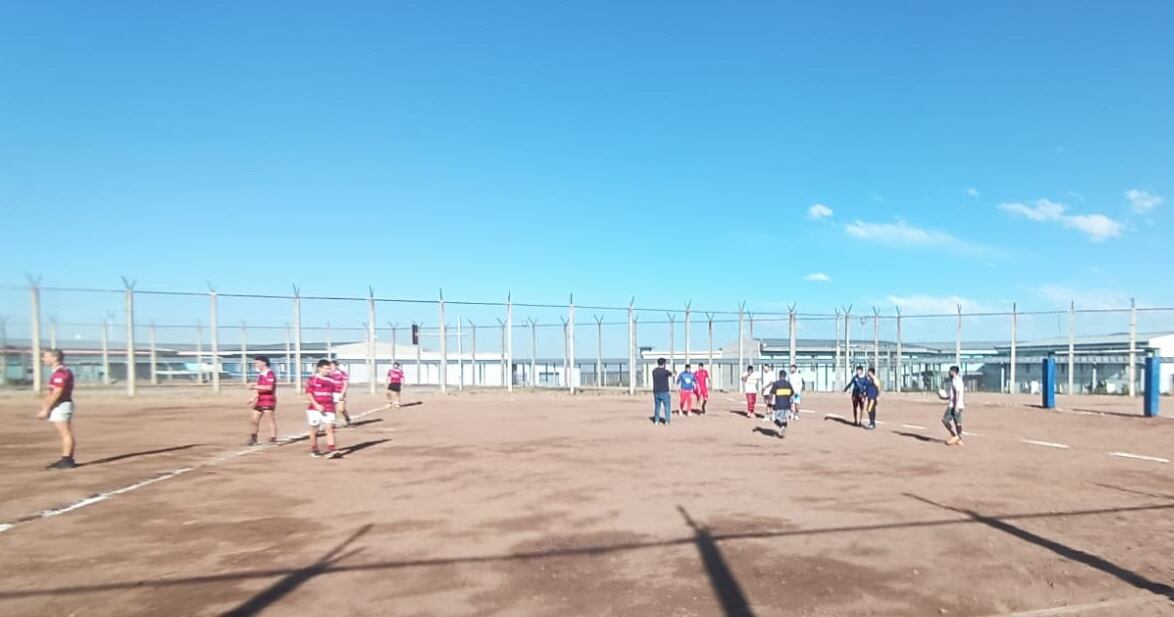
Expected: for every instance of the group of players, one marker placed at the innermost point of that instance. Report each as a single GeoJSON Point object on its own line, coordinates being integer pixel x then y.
{"type": "Point", "coordinates": [783, 396]}
{"type": "Point", "coordinates": [326, 391]}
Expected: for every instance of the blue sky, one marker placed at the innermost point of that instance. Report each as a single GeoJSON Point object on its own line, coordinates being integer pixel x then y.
{"type": "Point", "coordinates": [974, 151]}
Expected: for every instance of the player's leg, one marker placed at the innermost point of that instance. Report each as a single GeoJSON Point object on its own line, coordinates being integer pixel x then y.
{"type": "Point", "coordinates": [342, 408]}
{"type": "Point", "coordinates": [254, 425]}
{"type": "Point", "coordinates": [948, 422]}
{"type": "Point", "coordinates": [958, 425]}
{"type": "Point", "coordinates": [871, 414]}
{"type": "Point", "coordinates": [65, 432]}
{"type": "Point", "coordinates": [314, 419]}
{"type": "Point", "coordinates": [331, 448]}
{"type": "Point", "coordinates": [271, 418]}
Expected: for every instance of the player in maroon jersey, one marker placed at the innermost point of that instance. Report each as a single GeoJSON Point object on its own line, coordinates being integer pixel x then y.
{"type": "Point", "coordinates": [57, 407]}
{"type": "Point", "coordinates": [320, 391]}
{"type": "Point", "coordinates": [264, 402]}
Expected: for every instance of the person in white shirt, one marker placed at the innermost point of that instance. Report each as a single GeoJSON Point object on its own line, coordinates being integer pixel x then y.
{"type": "Point", "coordinates": [796, 379]}
{"type": "Point", "coordinates": [955, 394]}
{"type": "Point", "coordinates": [750, 381]}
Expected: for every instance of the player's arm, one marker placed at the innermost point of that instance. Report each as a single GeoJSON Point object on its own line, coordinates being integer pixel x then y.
{"type": "Point", "coordinates": [346, 383]}
{"type": "Point", "coordinates": [313, 403]}
{"type": "Point", "coordinates": [50, 401]}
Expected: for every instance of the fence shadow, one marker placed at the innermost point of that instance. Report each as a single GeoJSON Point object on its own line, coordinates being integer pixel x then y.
{"type": "Point", "coordinates": [349, 450]}
{"type": "Point", "coordinates": [1134, 492]}
{"type": "Point", "coordinates": [919, 437]}
{"type": "Point", "coordinates": [844, 421]}
{"type": "Point", "coordinates": [297, 578]}
{"type": "Point", "coordinates": [725, 585]}
{"type": "Point", "coordinates": [1063, 550]}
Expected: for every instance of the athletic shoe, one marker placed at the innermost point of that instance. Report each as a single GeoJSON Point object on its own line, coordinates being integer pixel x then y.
{"type": "Point", "coordinates": [315, 454]}
{"type": "Point", "coordinates": [252, 441]}
{"type": "Point", "coordinates": [959, 442]}
{"type": "Point", "coordinates": [953, 440]}
{"type": "Point", "coordinates": [334, 454]}
{"type": "Point", "coordinates": [273, 440]}
{"type": "Point", "coordinates": [65, 462]}
{"type": "Point", "coordinates": [870, 427]}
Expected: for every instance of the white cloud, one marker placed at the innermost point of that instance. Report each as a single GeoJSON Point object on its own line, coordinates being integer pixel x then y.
{"type": "Point", "coordinates": [1077, 196]}
{"type": "Point", "coordinates": [1085, 298]}
{"type": "Point", "coordinates": [1143, 201]}
{"type": "Point", "coordinates": [898, 233]}
{"type": "Point", "coordinates": [818, 277]}
{"type": "Point", "coordinates": [972, 193]}
{"type": "Point", "coordinates": [876, 197]}
{"type": "Point", "coordinates": [819, 211]}
{"type": "Point", "coordinates": [1097, 227]}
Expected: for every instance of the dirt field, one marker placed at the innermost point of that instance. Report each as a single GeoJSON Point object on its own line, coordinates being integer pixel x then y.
{"type": "Point", "coordinates": [546, 504]}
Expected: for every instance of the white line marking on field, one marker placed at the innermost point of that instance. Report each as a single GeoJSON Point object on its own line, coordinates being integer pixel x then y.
{"type": "Point", "coordinates": [916, 427]}
{"type": "Point", "coordinates": [806, 411]}
{"type": "Point", "coordinates": [1049, 444]}
{"type": "Point", "coordinates": [969, 434]}
{"type": "Point", "coordinates": [103, 496]}
{"type": "Point", "coordinates": [1082, 608]}
{"type": "Point", "coordinates": [833, 415]}
{"type": "Point", "coordinates": [1140, 457]}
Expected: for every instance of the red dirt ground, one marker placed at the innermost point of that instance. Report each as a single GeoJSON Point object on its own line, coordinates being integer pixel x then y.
{"type": "Point", "coordinates": [546, 504]}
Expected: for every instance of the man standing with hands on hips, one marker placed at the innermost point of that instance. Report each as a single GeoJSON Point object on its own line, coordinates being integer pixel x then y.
{"type": "Point", "coordinates": [58, 406]}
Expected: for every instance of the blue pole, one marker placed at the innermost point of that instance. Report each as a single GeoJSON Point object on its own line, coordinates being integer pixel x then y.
{"type": "Point", "coordinates": [1049, 382]}
{"type": "Point", "coordinates": [1153, 386]}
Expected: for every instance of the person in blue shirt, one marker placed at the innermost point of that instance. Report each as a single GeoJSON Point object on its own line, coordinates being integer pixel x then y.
{"type": "Point", "coordinates": [686, 386]}
{"type": "Point", "coordinates": [871, 394]}
{"type": "Point", "coordinates": [859, 387]}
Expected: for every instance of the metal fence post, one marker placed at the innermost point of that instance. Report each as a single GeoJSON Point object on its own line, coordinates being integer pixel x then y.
{"type": "Point", "coordinates": [571, 342]}
{"type": "Point", "coordinates": [105, 350]}
{"type": "Point", "coordinates": [509, 340]}
{"type": "Point", "coordinates": [688, 305]}
{"type": "Point", "coordinates": [598, 351]}
{"type": "Point", "coordinates": [214, 325]}
{"type": "Point", "coordinates": [52, 332]}
{"type": "Point", "coordinates": [392, 326]}
{"type": "Point", "coordinates": [288, 374]}
{"type": "Point", "coordinates": [443, 346]}
{"type": "Point", "coordinates": [792, 325]}
{"type": "Point", "coordinates": [1132, 347]}
{"type": "Point", "coordinates": [297, 339]}
{"type": "Point", "coordinates": [329, 342]}
{"type": "Point", "coordinates": [371, 364]}
{"type": "Point", "coordinates": [131, 361]}
{"type": "Point", "coordinates": [35, 324]}
{"type": "Point", "coordinates": [741, 341]}
{"type": "Point", "coordinates": [199, 353]}
{"type": "Point", "coordinates": [565, 377]}
{"type": "Point", "coordinates": [1071, 348]}
{"type": "Point", "coordinates": [244, 353]}
{"type": "Point", "coordinates": [876, 339]}
{"type": "Point", "coordinates": [631, 348]}
{"type": "Point", "coordinates": [473, 327]}
{"type": "Point", "coordinates": [958, 343]}
{"type": "Point", "coordinates": [847, 341]}
{"type": "Point", "coordinates": [419, 377]}
{"type": "Point", "coordinates": [709, 340]}
{"type": "Point", "coordinates": [898, 376]}
{"type": "Point", "coordinates": [533, 352]}
{"type": "Point", "coordinates": [501, 355]}
{"type": "Point", "coordinates": [154, 358]}
{"type": "Point", "coordinates": [1012, 386]}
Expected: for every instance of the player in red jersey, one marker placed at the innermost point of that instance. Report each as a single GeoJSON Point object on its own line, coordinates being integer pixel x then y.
{"type": "Point", "coordinates": [702, 377]}
{"type": "Point", "coordinates": [320, 390]}
{"type": "Point", "coordinates": [264, 402]}
{"type": "Point", "coordinates": [58, 406]}
{"type": "Point", "coordinates": [342, 382]}
{"type": "Point", "coordinates": [395, 385]}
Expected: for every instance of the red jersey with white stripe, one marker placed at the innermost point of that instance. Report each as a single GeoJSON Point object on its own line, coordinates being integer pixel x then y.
{"type": "Point", "coordinates": [62, 378]}
{"type": "Point", "coordinates": [340, 379]}
{"type": "Point", "coordinates": [395, 375]}
{"type": "Point", "coordinates": [267, 398]}
{"type": "Point", "coordinates": [321, 389]}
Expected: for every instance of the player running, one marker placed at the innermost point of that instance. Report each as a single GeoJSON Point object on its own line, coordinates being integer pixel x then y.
{"type": "Point", "coordinates": [796, 379]}
{"type": "Point", "coordinates": [320, 391]}
{"type": "Point", "coordinates": [702, 376]}
{"type": "Point", "coordinates": [750, 381]}
{"type": "Point", "coordinates": [264, 402]}
{"type": "Point", "coordinates": [395, 385]}
{"type": "Point", "coordinates": [781, 390]}
{"type": "Point", "coordinates": [57, 407]}
{"type": "Point", "coordinates": [342, 382]}
{"type": "Point", "coordinates": [858, 385]}
{"type": "Point", "coordinates": [686, 388]}
{"type": "Point", "coordinates": [768, 397]}
{"type": "Point", "coordinates": [871, 393]}
{"type": "Point", "coordinates": [955, 393]}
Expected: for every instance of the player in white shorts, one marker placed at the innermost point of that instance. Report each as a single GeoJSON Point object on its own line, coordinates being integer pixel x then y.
{"type": "Point", "coordinates": [57, 407]}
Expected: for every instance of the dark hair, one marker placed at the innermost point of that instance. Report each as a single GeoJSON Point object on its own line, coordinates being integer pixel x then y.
{"type": "Point", "coordinates": [859, 368]}
{"type": "Point", "coordinates": [955, 369]}
{"type": "Point", "coordinates": [872, 370]}
{"type": "Point", "coordinates": [700, 364]}
{"type": "Point", "coordinates": [264, 359]}
{"type": "Point", "coordinates": [782, 374]}
{"type": "Point", "coordinates": [660, 361]}
{"type": "Point", "coordinates": [57, 354]}
{"type": "Point", "coordinates": [323, 362]}
{"type": "Point", "coordinates": [750, 367]}
{"type": "Point", "coordinates": [395, 364]}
